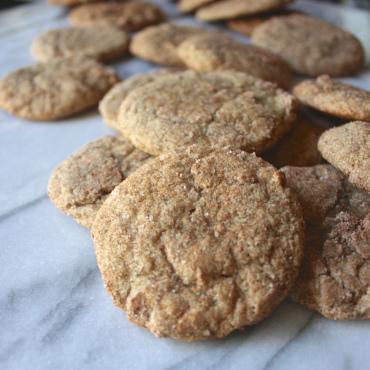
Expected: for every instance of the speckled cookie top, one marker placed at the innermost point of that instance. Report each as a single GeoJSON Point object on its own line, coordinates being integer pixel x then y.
{"type": "Point", "coordinates": [110, 104]}
{"type": "Point", "coordinates": [198, 243]}
{"type": "Point", "coordinates": [159, 43]}
{"type": "Point", "coordinates": [226, 9]}
{"type": "Point", "coordinates": [215, 51]}
{"type": "Point", "coordinates": [81, 183]}
{"type": "Point", "coordinates": [347, 148]}
{"type": "Point", "coordinates": [310, 45]}
{"type": "Point", "coordinates": [230, 108]}
{"type": "Point", "coordinates": [334, 97]}
{"type": "Point", "coordinates": [53, 90]}
{"type": "Point", "coordinates": [128, 15]}
{"type": "Point", "coordinates": [103, 43]}
{"type": "Point", "coordinates": [335, 277]}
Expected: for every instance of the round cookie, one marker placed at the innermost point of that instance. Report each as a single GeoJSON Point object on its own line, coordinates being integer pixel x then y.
{"type": "Point", "coordinates": [335, 276]}
{"type": "Point", "coordinates": [57, 89]}
{"type": "Point", "coordinates": [104, 43]}
{"type": "Point", "coordinates": [347, 148]}
{"type": "Point", "coordinates": [129, 16]}
{"type": "Point", "coordinates": [109, 105]}
{"type": "Point", "coordinates": [310, 45]}
{"type": "Point", "coordinates": [215, 51]}
{"type": "Point", "coordinates": [82, 182]}
{"type": "Point", "coordinates": [199, 243]}
{"type": "Point", "coordinates": [334, 97]}
{"type": "Point", "coordinates": [227, 9]}
{"type": "Point", "coordinates": [159, 43]}
{"type": "Point", "coordinates": [299, 146]}
{"type": "Point", "coordinates": [229, 108]}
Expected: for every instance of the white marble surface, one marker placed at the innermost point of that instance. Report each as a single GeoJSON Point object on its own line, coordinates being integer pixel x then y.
{"type": "Point", "coordinates": [54, 312]}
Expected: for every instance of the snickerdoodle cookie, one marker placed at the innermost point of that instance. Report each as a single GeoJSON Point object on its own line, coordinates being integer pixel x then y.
{"type": "Point", "coordinates": [310, 45]}
{"type": "Point", "coordinates": [227, 9]}
{"type": "Point", "coordinates": [159, 43]}
{"type": "Point", "coordinates": [81, 183]}
{"type": "Point", "coordinates": [225, 107]}
{"type": "Point", "coordinates": [109, 105]}
{"type": "Point", "coordinates": [214, 51]}
{"type": "Point", "coordinates": [129, 16]}
{"type": "Point", "coordinates": [70, 2]}
{"type": "Point", "coordinates": [335, 277]}
{"type": "Point", "coordinates": [347, 148]}
{"type": "Point", "coordinates": [190, 5]}
{"type": "Point", "coordinates": [334, 97]}
{"type": "Point", "coordinates": [57, 89]}
{"type": "Point", "coordinates": [103, 43]}
{"type": "Point", "coordinates": [199, 243]}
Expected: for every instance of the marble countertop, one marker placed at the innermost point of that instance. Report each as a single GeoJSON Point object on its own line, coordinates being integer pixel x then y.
{"type": "Point", "coordinates": [54, 311]}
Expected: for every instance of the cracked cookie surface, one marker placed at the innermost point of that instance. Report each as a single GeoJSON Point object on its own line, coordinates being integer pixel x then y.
{"type": "Point", "coordinates": [82, 182]}
{"type": "Point", "coordinates": [347, 148]}
{"type": "Point", "coordinates": [334, 97]}
{"type": "Point", "coordinates": [57, 89]}
{"type": "Point", "coordinates": [311, 46]}
{"type": "Point", "coordinates": [129, 16]}
{"type": "Point", "coordinates": [335, 276]}
{"type": "Point", "coordinates": [224, 107]}
{"type": "Point", "coordinates": [109, 105]}
{"type": "Point", "coordinates": [215, 51]}
{"type": "Point", "coordinates": [104, 43]}
{"type": "Point", "coordinates": [199, 243]}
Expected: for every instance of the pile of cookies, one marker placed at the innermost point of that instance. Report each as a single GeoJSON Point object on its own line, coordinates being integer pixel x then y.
{"type": "Point", "coordinates": [220, 195]}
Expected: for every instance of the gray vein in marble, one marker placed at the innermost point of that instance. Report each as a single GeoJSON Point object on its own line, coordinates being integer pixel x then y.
{"type": "Point", "coordinates": [270, 363]}
{"type": "Point", "coordinates": [22, 207]}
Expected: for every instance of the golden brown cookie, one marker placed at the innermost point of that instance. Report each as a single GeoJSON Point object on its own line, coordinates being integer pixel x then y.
{"type": "Point", "coordinates": [69, 2]}
{"type": "Point", "coordinates": [159, 43]}
{"type": "Point", "coordinates": [348, 148]}
{"type": "Point", "coordinates": [57, 89]}
{"type": "Point", "coordinates": [228, 107]}
{"type": "Point", "coordinates": [109, 105]}
{"type": "Point", "coordinates": [190, 5]}
{"type": "Point", "coordinates": [129, 16]}
{"type": "Point", "coordinates": [335, 277]}
{"type": "Point", "coordinates": [227, 9]}
{"type": "Point", "coordinates": [299, 146]}
{"type": "Point", "coordinates": [199, 243]}
{"type": "Point", "coordinates": [82, 182]}
{"type": "Point", "coordinates": [215, 51]}
{"type": "Point", "coordinates": [247, 25]}
{"type": "Point", "coordinates": [334, 97]}
{"type": "Point", "coordinates": [310, 45]}
{"type": "Point", "coordinates": [103, 43]}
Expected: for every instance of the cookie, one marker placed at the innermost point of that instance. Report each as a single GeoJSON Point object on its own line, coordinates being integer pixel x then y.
{"type": "Point", "coordinates": [299, 146]}
{"type": "Point", "coordinates": [109, 105]}
{"type": "Point", "coordinates": [82, 182]}
{"type": "Point", "coordinates": [159, 43]}
{"type": "Point", "coordinates": [229, 108]}
{"type": "Point", "coordinates": [199, 243]}
{"type": "Point", "coordinates": [247, 25]}
{"type": "Point", "coordinates": [57, 89]}
{"type": "Point", "coordinates": [348, 148]}
{"type": "Point", "coordinates": [310, 45]}
{"type": "Point", "coordinates": [227, 9]}
{"type": "Point", "coordinates": [334, 97]}
{"type": "Point", "coordinates": [103, 43]}
{"type": "Point", "coordinates": [186, 6]}
{"type": "Point", "coordinates": [215, 51]}
{"type": "Point", "coordinates": [334, 279]}
{"type": "Point", "coordinates": [129, 16]}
